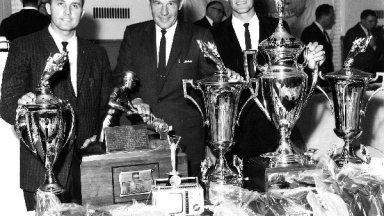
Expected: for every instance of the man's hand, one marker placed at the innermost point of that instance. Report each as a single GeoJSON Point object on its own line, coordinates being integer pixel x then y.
{"type": "Point", "coordinates": [28, 98]}
{"type": "Point", "coordinates": [143, 109]}
{"type": "Point", "coordinates": [88, 141]}
{"type": "Point", "coordinates": [315, 54]}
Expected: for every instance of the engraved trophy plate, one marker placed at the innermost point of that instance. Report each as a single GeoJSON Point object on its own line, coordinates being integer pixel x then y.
{"type": "Point", "coordinates": [285, 89]}
{"type": "Point", "coordinates": [46, 126]}
{"type": "Point", "coordinates": [348, 88]}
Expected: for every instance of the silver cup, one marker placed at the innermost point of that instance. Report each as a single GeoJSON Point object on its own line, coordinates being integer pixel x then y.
{"type": "Point", "coordinates": [348, 88]}
{"type": "Point", "coordinates": [221, 99]}
{"type": "Point", "coordinates": [285, 88]}
{"type": "Point", "coordinates": [46, 126]}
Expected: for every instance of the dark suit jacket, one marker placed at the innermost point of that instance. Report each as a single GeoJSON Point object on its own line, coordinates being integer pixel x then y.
{"type": "Point", "coordinates": [165, 96]}
{"type": "Point", "coordinates": [204, 23]}
{"type": "Point", "coordinates": [312, 33]}
{"type": "Point", "coordinates": [255, 135]}
{"type": "Point", "coordinates": [364, 61]}
{"type": "Point", "coordinates": [22, 23]}
{"type": "Point", "coordinates": [25, 64]}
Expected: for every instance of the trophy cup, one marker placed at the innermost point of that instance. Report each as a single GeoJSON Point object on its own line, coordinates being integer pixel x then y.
{"type": "Point", "coordinates": [46, 126]}
{"type": "Point", "coordinates": [284, 87]}
{"type": "Point", "coordinates": [348, 88]}
{"type": "Point", "coordinates": [221, 98]}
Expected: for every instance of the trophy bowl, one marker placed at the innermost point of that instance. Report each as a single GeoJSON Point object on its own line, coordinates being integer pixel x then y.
{"type": "Point", "coordinates": [46, 126]}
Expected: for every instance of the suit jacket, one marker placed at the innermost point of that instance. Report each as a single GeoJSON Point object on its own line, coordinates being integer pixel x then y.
{"type": "Point", "coordinates": [204, 23]}
{"type": "Point", "coordinates": [364, 61]}
{"type": "Point", "coordinates": [25, 64]}
{"type": "Point", "coordinates": [165, 95]}
{"type": "Point", "coordinates": [255, 134]}
{"type": "Point", "coordinates": [22, 23]}
{"type": "Point", "coordinates": [312, 33]}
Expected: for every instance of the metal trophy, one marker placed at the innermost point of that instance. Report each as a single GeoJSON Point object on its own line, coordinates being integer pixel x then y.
{"type": "Point", "coordinates": [221, 97]}
{"type": "Point", "coordinates": [285, 89]}
{"type": "Point", "coordinates": [348, 88]}
{"type": "Point", "coordinates": [46, 126]}
{"type": "Point", "coordinates": [118, 101]}
{"type": "Point", "coordinates": [174, 179]}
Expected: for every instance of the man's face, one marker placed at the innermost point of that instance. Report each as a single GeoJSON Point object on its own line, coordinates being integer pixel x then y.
{"type": "Point", "coordinates": [216, 12]}
{"type": "Point", "coordinates": [65, 14]}
{"type": "Point", "coordinates": [164, 12]}
{"type": "Point", "coordinates": [369, 22]}
{"type": "Point", "coordinates": [241, 6]}
{"type": "Point", "coordinates": [330, 20]}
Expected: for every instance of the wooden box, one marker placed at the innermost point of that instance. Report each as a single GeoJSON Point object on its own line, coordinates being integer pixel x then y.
{"type": "Point", "coordinates": [101, 175]}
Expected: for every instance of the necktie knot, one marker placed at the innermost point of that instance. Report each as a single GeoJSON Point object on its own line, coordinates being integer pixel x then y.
{"type": "Point", "coordinates": [65, 44]}
{"type": "Point", "coordinates": [163, 31]}
{"type": "Point", "coordinates": [246, 25]}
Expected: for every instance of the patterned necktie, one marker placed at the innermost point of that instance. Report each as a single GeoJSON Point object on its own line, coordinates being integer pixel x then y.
{"type": "Point", "coordinates": [247, 35]}
{"type": "Point", "coordinates": [162, 65]}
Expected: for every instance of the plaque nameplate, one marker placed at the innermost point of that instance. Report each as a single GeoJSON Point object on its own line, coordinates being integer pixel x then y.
{"type": "Point", "coordinates": [126, 138]}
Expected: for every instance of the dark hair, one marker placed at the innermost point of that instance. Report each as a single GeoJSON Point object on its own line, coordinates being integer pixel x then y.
{"type": "Point", "coordinates": [212, 3]}
{"type": "Point", "coordinates": [34, 2]}
{"type": "Point", "coordinates": [367, 13]}
{"type": "Point", "coordinates": [323, 10]}
{"type": "Point", "coordinates": [82, 2]}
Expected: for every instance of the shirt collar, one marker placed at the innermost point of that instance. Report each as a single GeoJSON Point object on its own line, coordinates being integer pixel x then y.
{"type": "Point", "coordinates": [170, 31]}
{"type": "Point", "coordinates": [29, 8]}
{"type": "Point", "coordinates": [58, 40]}
{"type": "Point", "coordinates": [237, 22]}
{"type": "Point", "coordinates": [209, 20]}
{"type": "Point", "coordinates": [319, 26]}
{"type": "Point", "coordinates": [364, 29]}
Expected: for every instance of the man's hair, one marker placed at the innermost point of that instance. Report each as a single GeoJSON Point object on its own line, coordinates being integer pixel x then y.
{"type": "Point", "coordinates": [30, 2]}
{"type": "Point", "coordinates": [212, 3]}
{"type": "Point", "coordinates": [323, 10]}
{"type": "Point", "coordinates": [367, 13]}
{"type": "Point", "coordinates": [82, 2]}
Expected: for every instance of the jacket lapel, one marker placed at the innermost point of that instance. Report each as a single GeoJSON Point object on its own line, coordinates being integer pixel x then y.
{"type": "Point", "coordinates": [82, 69]}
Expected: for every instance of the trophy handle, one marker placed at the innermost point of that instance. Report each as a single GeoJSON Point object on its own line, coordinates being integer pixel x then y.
{"type": "Point", "coordinates": [378, 74]}
{"type": "Point", "coordinates": [22, 121]}
{"type": "Point", "coordinates": [70, 133]}
{"type": "Point", "coordinates": [253, 91]}
{"type": "Point", "coordinates": [326, 96]}
{"type": "Point", "coordinates": [185, 85]}
{"type": "Point", "coordinates": [315, 76]}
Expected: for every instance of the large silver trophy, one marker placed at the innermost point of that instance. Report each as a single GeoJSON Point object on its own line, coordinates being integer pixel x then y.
{"type": "Point", "coordinates": [46, 126]}
{"type": "Point", "coordinates": [348, 88]}
{"type": "Point", "coordinates": [221, 97]}
{"type": "Point", "coordinates": [284, 87]}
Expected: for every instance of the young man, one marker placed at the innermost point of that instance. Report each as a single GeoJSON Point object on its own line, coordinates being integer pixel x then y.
{"type": "Point", "coordinates": [162, 52]}
{"type": "Point", "coordinates": [24, 22]}
{"type": "Point", "coordinates": [85, 84]}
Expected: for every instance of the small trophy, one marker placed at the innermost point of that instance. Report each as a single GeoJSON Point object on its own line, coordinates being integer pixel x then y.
{"type": "Point", "coordinates": [46, 126]}
{"type": "Point", "coordinates": [174, 178]}
{"type": "Point", "coordinates": [348, 88]}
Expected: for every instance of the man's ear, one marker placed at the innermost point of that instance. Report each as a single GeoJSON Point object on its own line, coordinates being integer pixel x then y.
{"type": "Point", "coordinates": [48, 8]}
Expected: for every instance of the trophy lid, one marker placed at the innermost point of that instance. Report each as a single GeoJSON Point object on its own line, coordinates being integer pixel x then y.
{"type": "Point", "coordinates": [281, 44]}
{"type": "Point", "coordinates": [219, 78]}
{"type": "Point", "coordinates": [349, 73]}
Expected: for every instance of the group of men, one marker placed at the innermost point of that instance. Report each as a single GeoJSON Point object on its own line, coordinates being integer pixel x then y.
{"type": "Point", "coordinates": [162, 52]}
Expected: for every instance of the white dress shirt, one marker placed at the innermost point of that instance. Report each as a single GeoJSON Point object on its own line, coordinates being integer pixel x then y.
{"type": "Point", "coordinates": [72, 54]}
{"type": "Point", "coordinates": [254, 32]}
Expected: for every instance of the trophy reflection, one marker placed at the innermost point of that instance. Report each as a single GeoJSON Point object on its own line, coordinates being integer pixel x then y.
{"type": "Point", "coordinates": [285, 88]}
{"type": "Point", "coordinates": [46, 126]}
{"type": "Point", "coordinates": [221, 98]}
{"type": "Point", "coordinates": [348, 88]}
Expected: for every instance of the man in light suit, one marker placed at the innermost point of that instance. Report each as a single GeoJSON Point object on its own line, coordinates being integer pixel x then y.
{"type": "Point", "coordinates": [214, 14]}
{"type": "Point", "coordinates": [85, 86]}
{"type": "Point", "coordinates": [161, 70]}
{"type": "Point", "coordinates": [316, 32]}
{"type": "Point", "coordinates": [255, 135]}
{"type": "Point", "coordinates": [24, 22]}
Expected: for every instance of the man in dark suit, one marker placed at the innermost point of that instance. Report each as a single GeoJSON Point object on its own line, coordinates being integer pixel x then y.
{"type": "Point", "coordinates": [24, 22]}
{"type": "Point", "coordinates": [316, 32]}
{"type": "Point", "coordinates": [255, 135]}
{"type": "Point", "coordinates": [368, 60]}
{"type": "Point", "coordinates": [85, 86]}
{"type": "Point", "coordinates": [162, 52]}
{"type": "Point", "coordinates": [214, 14]}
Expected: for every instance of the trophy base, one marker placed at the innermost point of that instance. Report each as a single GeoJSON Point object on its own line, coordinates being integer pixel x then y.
{"type": "Point", "coordinates": [223, 176]}
{"type": "Point", "coordinates": [52, 187]}
{"type": "Point", "coordinates": [341, 160]}
{"type": "Point", "coordinates": [284, 160]}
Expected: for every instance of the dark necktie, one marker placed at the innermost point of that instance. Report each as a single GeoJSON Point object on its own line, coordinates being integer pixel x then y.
{"type": "Point", "coordinates": [247, 35]}
{"type": "Point", "coordinates": [161, 66]}
{"type": "Point", "coordinates": [327, 37]}
{"type": "Point", "coordinates": [65, 44]}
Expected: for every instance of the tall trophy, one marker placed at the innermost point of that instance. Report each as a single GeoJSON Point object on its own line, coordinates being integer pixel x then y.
{"type": "Point", "coordinates": [348, 88]}
{"type": "Point", "coordinates": [285, 88]}
{"type": "Point", "coordinates": [221, 98]}
{"type": "Point", "coordinates": [46, 126]}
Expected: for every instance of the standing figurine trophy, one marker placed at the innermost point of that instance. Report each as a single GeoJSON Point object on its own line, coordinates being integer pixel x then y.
{"type": "Point", "coordinates": [221, 98]}
{"type": "Point", "coordinates": [285, 88]}
{"type": "Point", "coordinates": [348, 88]}
{"type": "Point", "coordinates": [46, 126]}
{"type": "Point", "coordinates": [174, 176]}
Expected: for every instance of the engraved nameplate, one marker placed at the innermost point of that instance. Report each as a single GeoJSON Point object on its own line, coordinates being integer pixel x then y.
{"type": "Point", "coordinates": [126, 138]}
